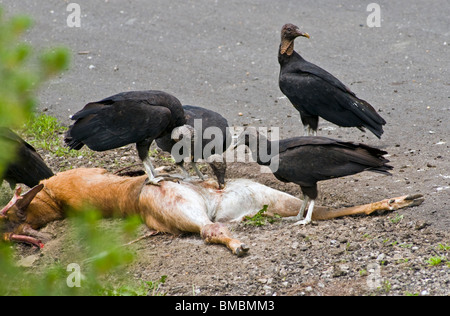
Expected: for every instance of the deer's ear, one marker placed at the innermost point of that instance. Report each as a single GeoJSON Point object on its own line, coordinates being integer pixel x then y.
{"type": "Point", "coordinates": [23, 203]}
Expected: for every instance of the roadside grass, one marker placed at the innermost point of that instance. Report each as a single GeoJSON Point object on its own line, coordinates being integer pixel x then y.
{"type": "Point", "coordinates": [45, 132]}
{"type": "Point", "coordinates": [261, 219]}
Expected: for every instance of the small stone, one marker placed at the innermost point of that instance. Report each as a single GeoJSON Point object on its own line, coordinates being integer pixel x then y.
{"type": "Point", "coordinates": [28, 262]}
{"type": "Point", "coordinates": [421, 225]}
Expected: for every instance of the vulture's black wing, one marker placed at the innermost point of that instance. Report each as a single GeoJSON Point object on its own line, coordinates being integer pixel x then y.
{"type": "Point", "coordinates": [153, 98]}
{"type": "Point", "coordinates": [103, 127]}
{"type": "Point", "coordinates": [125, 118]}
{"type": "Point", "coordinates": [28, 167]}
{"type": "Point", "coordinates": [314, 91]}
{"type": "Point", "coordinates": [307, 160]}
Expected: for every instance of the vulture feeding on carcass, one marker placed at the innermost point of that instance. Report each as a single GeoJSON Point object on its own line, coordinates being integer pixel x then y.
{"type": "Point", "coordinates": [309, 159]}
{"type": "Point", "coordinates": [129, 117]}
{"type": "Point", "coordinates": [316, 93]}
{"type": "Point", "coordinates": [27, 167]}
{"type": "Point", "coordinates": [210, 138]}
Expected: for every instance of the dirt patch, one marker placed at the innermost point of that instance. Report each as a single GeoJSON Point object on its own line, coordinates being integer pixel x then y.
{"type": "Point", "coordinates": [382, 254]}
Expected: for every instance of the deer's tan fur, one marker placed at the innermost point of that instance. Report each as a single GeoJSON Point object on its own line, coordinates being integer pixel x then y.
{"type": "Point", "coordinates": [196, 207]}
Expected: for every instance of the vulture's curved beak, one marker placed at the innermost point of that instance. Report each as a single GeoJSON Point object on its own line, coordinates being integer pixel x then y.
{"type": "Point", "coordinates": [304, 34]}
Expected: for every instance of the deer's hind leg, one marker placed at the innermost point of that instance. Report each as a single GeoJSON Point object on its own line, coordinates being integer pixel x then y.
{"type": "Point", "coordinates": [179, 208]}
{"type": "Point", "coordinates": [218, 233]}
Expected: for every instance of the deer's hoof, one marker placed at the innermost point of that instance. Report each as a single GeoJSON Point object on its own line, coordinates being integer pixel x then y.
{"type": "Point", "coordinates": [242, 250]}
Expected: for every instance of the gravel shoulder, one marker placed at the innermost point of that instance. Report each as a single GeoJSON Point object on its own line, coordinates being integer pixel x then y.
{"type": "Point", "coordinates": [381, 254]}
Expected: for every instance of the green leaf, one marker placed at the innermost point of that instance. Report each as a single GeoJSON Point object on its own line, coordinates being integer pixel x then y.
{"type": "Point", "coordinates": [54, 61]}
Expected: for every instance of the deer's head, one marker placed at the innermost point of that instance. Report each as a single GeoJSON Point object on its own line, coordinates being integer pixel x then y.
{"type": "Point", "coordinates": [15, 212]}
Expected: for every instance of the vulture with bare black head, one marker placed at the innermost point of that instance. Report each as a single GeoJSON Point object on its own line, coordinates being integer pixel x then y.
{"type": "Point", "coordinates": [210, 140]}
{"type": "Point", "coordinates": [316, 93]}
{"type": "Point", "coordinates": [309, 159]}
{"type": "Point", "coordinates": [129, 117]}
{"type": "Point", "coordinates": [27, 167]}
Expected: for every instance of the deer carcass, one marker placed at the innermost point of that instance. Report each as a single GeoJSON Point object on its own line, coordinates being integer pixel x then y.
{"type": "Point", "coordinates": [196, 207]}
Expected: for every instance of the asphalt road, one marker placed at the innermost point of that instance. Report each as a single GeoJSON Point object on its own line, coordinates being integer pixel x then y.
{"type": "Point", "coordinates": [223, 55]}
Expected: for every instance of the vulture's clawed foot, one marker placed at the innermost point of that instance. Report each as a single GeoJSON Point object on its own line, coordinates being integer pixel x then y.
{"type": "Point", "coordinates": [153, 181]}
{"type": "Point", "coordinates": [302, 222]}
{"type": "Point", "coordinates": [163, 177]}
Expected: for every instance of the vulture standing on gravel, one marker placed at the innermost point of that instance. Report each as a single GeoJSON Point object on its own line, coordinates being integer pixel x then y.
{"type": "Point", "coordinates": [209, 119]}
{"type": "Point", "coordinates": [315, 92]}
{"type": "Point", "coordinates": [309, 159]}
{"type": "Point", "coordinates": [28, 166]}
{"type": "Point", "coordinates": [129, 117]}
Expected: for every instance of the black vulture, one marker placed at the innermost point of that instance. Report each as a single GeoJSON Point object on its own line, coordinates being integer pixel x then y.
{"type": "Point", "coordinates": [309, 159]}
{"type": "Point", "coordinates": [203, 146]}
{"type": "Point", "coordinates": [129, 117]}
{"type": "Point", "coordinates": [315, 92]}
{"type": "Point", "coordinates": [28, 167]}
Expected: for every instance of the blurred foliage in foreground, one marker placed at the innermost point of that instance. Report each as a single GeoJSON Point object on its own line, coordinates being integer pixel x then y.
{"type": "Point", "coordinates": [98, 253]}
{"type": "Point", "coordinates": [22, 71]}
